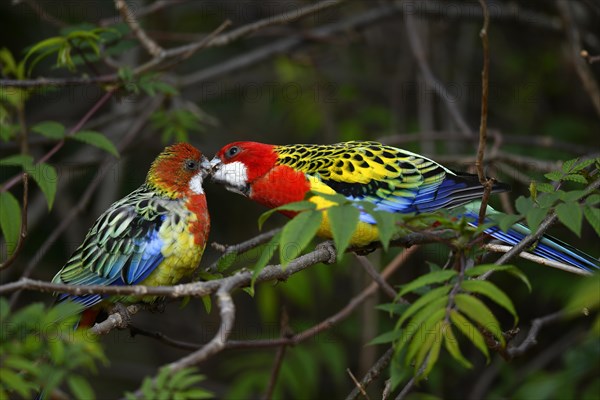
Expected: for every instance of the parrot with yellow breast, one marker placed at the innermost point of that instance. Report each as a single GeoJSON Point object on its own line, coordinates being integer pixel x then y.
{"type": "Point", "coordinates": [154, 236]}
{"type": "Point", "coordinates": [392, 179]}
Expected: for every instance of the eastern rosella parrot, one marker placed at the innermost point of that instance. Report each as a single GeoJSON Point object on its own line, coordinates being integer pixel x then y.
{"type": "Point", "coordinates": [393, 179]}
{"type": "Point", "coordinates": [153, 236]}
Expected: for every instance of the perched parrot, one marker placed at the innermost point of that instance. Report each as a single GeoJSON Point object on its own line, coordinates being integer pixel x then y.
{"type": "Point", "coordinates": [393, 179]}
{"type": "Point", "coordinates": [153, 236]}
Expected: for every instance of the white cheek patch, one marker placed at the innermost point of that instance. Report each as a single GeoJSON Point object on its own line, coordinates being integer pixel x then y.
{"type": "Point", "coordinates": [196, 184]}
{"type": "Point", "coordinates": [233, 175]}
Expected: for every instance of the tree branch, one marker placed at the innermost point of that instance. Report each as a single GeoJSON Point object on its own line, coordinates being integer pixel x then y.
{"type": "Point", "coordinates": [128, 16]}
{"type": "Point", "coordinates": [431, 80]}
{"type": "Point", "coordinates": [531, 338]}
{"type": "Point", "coordinates": [373, 373]}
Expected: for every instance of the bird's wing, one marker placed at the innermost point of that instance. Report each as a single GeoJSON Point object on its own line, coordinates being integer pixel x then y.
{"type": "Point", "coordinates": [395, 180]}
{"type": "Point", "coordinates": [122, 248]}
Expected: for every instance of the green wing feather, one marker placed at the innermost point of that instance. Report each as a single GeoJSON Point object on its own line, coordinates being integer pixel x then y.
{"type": "Point", "coordinates": [121, 247]}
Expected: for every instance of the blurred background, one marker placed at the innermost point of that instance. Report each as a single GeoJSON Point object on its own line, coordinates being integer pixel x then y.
{"type": "Point", "coordinates": [403, 73]}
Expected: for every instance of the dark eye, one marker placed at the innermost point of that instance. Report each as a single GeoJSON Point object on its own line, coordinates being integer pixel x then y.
{"type": "Point", "coordinates": [190, 165]}
{"type": "Point", "coordinates": [232, 151]}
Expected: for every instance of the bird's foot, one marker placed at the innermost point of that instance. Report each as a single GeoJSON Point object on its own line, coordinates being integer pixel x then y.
{"type": "Point", "coordinates": [330, 248]}
{"type": "Point", "coordinates": [121, 309]}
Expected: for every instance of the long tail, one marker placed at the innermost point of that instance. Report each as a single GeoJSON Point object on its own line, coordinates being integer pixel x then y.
{"type": "Point", "coordinates": [547, 247]}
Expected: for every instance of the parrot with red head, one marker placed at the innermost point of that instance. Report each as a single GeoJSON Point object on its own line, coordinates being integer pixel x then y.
{"type": "Point", "coordinates": [154, 236]}
{"type": "Point", "coordinates": [390, 178]}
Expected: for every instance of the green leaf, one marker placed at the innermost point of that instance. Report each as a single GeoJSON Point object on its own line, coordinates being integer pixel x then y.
{"type": "Point", "coordinates": [297, 234]}
{"type": "Point", "coordinates": [483, 268]}
{"type": "Point", "coordinates": [491, 291]}
{"type": "Point", "coordinates": [206, 300]}
{"type": "Point", "coordinates": [18, 160]}
{"type": "Point", "coordinates": [567, 165]}
{"type": "Point", "coordinates": [96, 139]}
{"type": "Point", "coordinates": [10, 220]}
{"type": "Point", "coordinates": [387, 337]}
{"type": "Point", "coordinates": [424, 337]}
{"type": "Point", "coordinates": [480, 313]}
{"type": "Point", "coordinates": [583, 164]}
{"type": "Point", "coordinates": [432, 277]}
{"type": "Point", "coordinates": [386, 223]}
{"type": "Point", "coordinates": [505, 222]}
{"type": "Point", "coordinates": [593, 217]}
{"type": "Point", "coordinates": [592, 200]}
{"type": "Point", "coordinates": [226, 260]}
{"type": "Point", "coordinates": [423, 301]}
{"type": "Point", "coordinates": [414, 327]}
{"type": "Point", "coordinates": [554, 176]}
{"type": "Point", "coordinates": [343, 222]}
{"type": "Point", "coordinates": [47, 179]}
{"type": "Point", "coordinates": [296, 206]}
{"type": "Point", "coordinates": [523, 205]}
{"type": "Point", "coordinates": [451, 344]}
{"type": "Point", "coordinates": [575, 178]}
{"type": "Point", "coordinates": [80, 387]}
{"type": "Point", "coordinates": [265, 256]}
{"type": "Point", "coordinates": [50, 129]}
{"type": "Point", "coordinates": [571, 216]}
{"type": "Point", "coordinates": [535, 216]}
{"type": "Point", "coordinates": [470, 332]}
{"type": "Point", "coordinates": [544, 187]}
{"type": "Point", "coordinates": [428, 357]}
{"type": "Point", "coordinates": [15, 382]}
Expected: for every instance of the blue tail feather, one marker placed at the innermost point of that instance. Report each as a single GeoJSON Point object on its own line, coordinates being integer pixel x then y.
{"type": "Point", "coordinates": [547, 247]}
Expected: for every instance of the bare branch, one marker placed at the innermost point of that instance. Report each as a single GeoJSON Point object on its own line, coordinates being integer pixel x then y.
{"type": "Point", "coordinates": [583, 69]}
{"type": "Point", "coordinates": [128, 16]}
{"type": "Point", "coordinates": [241, 247]}
{"type": "Point", "coordinates": [185, 50]}
{"type": "Point", "coordinates": [373, 373]}
{"type": "Point", "coordinates": [485, 80]}
{"type": "Point", "coordinates": [328, 323]}
{"type": "Point", "coordinates": [368, 266]}
{"type": "Point", "coordinates": [499, 248]}
{"type": "Point", "coordinates": [285, 332]}
{"type": "Point", "coordinates": [431, 80]}
{"type": "Point", "coordinates": [536, 326]}
{"type": "Point", "coordinates": [43, 14]}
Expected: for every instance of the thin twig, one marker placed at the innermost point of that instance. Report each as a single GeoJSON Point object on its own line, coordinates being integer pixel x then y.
{"type": "Point", "coordinates": [184, 50]}
{"type": "Point", "coordinates": [241, 247]}
{"type": "Point", "coordinates": [285, 332]}
{"type": "Point", "coordinates": [128, 16]}
{"type": "Point", "coordinates": [43, 14]}
{"type": "Point", "coordinates": [581, 67]}
{"type": "Point", "coordinates": [373, 373]}
{"type": "Point", "coordinates": [430, 79]}
{"type": "Point", "coordinates": [357, 384]}
{"type": "Point", "coordinates": [368, 266]}
{"type": "Point", "coordinates": [499, 248]}
{"type": "Point", "coordinates": [485, 78]}
{"type": "Point", "coordinates": [531, 338]}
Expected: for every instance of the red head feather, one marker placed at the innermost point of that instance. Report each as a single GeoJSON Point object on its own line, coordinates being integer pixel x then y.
{"type": "Point", "coordinates": [258, 158]}
{"type": "Point", "coordinates": [250, 168]}
{"type": "Point", "coordinates": [173, 170]}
